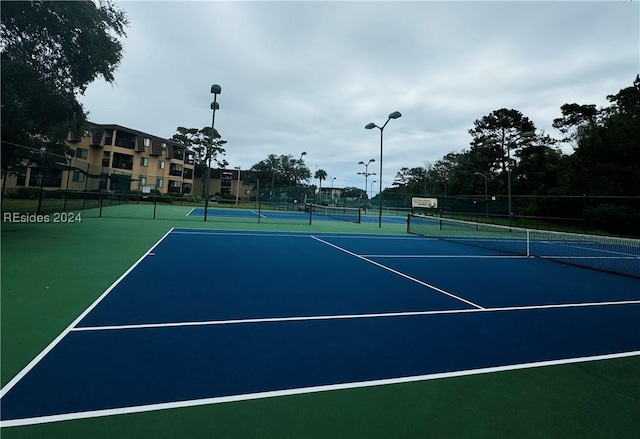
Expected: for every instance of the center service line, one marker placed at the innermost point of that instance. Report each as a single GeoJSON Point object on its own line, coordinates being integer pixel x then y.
{"type": "Point", "coordinates": [406, 276]}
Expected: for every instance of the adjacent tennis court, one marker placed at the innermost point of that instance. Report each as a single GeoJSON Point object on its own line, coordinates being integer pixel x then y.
{"type": "Point", "coordinates": [212, 316]}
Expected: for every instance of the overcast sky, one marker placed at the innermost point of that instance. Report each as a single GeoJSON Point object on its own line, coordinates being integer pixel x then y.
{"type": "Point", "coordinates": [308, 76]}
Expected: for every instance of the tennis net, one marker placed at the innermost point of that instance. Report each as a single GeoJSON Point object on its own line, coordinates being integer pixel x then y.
{"type": "Point", "coordinates": [351, 214]}
{"type": "Point", "coordinates": [606, 253]}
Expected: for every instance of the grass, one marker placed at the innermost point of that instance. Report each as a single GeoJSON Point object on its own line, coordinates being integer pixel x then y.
{"type": "Point", "coordinates": [52, 272]}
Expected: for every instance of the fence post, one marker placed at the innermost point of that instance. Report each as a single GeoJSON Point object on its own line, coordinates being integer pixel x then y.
{"type": "Point", "coordinates": [100, 204]}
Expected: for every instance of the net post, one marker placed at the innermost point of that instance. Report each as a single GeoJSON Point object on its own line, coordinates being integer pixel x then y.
{"type": "Point", "coordinates": [100, 203]}
{"type": "Point", "coordinates": [528, 241]}
{"type": "Point", "coordinates": [310, 213]}
{"type": "Point", "coordinates": [155, 203]}
{"type": "Point", "coordinates": [259, 214]}
{"type": "Point", "coordinates": [359, 215]}
{"type": "Point", "coordinates": [408, 222]}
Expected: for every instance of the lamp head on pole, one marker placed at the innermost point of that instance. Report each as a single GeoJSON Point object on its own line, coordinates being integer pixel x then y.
{"type": "Point", "coordinates": [371, 125]}
{"type": "Point", "coordinates": [395, 115]}
{"type": "Point", "coordinates": [215, 106]}
{"type": "Point", "coordinates": [216, 89]}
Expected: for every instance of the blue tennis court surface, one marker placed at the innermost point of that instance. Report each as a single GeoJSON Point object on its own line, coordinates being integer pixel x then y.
{"type": "Point", "coordinates": [213, 316]}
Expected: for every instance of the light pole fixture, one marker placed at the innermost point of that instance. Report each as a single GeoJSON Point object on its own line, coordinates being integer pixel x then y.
{"type": "Point", "coordinates": [216, 90]}
{"type": "Point", "coordinates": [298, 179]}
{"type": "Point", "coordinates": [374, 181]}
{"type": "Point", "coordinates": [366, 173]}
{"type": "Point", "coordinates": [394, 115]}
{"type": "Point", "coordinates": [492, 141]}
{"type": "Point", "coordinates": [486, 196]}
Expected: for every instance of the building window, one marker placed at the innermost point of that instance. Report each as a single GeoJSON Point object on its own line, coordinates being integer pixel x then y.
{"type": "Point", "coordinates": [147, 142]}
{"type": "Point", "coordinates": [144, 161]}
{"type": "Point", "coordinates": [164, 145]}
{"type": "Point", "coordinates": [143, 181]}
{"type": "Point", "coordinates": [160, 164]}
{"type": "Point", "coordinates": [78, 176]}
{"type": "Point", "coordinates": [122, 161]}
{"type": "Point", "coordinates": [106, 159]}
{"type": "Point", "coordinates": [82, 153]}
{"type": "Point", "coordinates": [225, 179]}
{"type": "Point", "coordinates": [21, 174]}
{"type": "Point", "coordinates": [125, 140]}
{"type": "Point", "coordinates": [159, 182]}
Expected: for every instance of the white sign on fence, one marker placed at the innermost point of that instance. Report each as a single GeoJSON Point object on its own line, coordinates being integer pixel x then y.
{"type": "Point", "coordinates": [426, 203]}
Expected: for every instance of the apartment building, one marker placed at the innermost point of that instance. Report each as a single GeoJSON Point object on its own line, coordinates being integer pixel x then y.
{"type": "Point", "coordinates": [226, 183]}
{"type": "Point", "coordinates": [114, 158]}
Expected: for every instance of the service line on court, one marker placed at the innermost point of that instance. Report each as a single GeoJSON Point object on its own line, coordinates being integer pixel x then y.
{"type": "Point", "coordinates": [348, 316]}
{"type": "Point", "coordinates": [406, 276]}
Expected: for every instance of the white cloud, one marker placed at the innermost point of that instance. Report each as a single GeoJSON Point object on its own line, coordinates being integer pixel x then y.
{"type": "Point", "coordinates": [300, 76]}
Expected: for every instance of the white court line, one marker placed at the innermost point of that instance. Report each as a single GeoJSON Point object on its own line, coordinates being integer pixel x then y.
{"type": "Point", "coordinates": [189, 213]}
{"type": "Point", "coordinates": [231, 233]}
{"type": "Point", "coordinates": [69, 328]}
{"type": "Point", "coordinates": [449, 256]}
{"type": "Point", "coordinates": [341, 235]}
{"type": "Point", "coordinates": [631, 258]}
{"type": "Point", "coordinates": [349, 316]}
{"type": "Point", "coordinates": [591, 249]}
{"type": "Point", "coordinates": [258, 214]}
{"type": "Point", "coordinates": [406, 276]}
{"type": "Point", "coordinates": [306, 390]}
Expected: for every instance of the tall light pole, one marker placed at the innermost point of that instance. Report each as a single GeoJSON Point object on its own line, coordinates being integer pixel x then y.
{"type": "Point", "coordinates": [238, 187]}
{"type": "Point", "coordinates": [332, 196]}
{"type": "Point", "coordinates": [394, 115]}
{"type": "Point", "coordinates": [486, 197]}
{"type": "Point", "coordinates": [366, 174]}
{"type": "Point", "coordinates": [216, 90]}
{"type": "Point", "coordinates": [508, 145]}
{"type": "Point", "coordinates": [43, 153]}
{"type": "Point", "coordinates": [298, 176]}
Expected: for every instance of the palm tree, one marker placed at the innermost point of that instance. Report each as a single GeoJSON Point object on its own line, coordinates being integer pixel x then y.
{"type": "Point", "coordinates": [320, 174]}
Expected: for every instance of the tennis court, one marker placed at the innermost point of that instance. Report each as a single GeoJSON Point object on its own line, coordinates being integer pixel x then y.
{"type": "Point", "coordinates": [264, 314]}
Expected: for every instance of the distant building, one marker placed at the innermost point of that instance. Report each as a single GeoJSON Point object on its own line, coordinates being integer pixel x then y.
{"type": "Point", "coordinates": [113, 158]}
{"type": "Point", "coordinates": [224, 183]}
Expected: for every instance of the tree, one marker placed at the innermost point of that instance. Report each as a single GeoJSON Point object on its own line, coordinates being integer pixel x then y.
{"type": "Point", "coordinates": [539, 167]}
{"type": "Point", "coordinates": [605, 161]}
{"type": "Point", "coordinates": [279, 171]}
{"type": "Point", "coordinates": [320, 174]}
{"type": "Point", "coordinates": [51, 51]}
{"type": "Point", "coordinates": [413, 180]}
{"type": "Point", "coordinates": [199, 140]}
{"type": "Point", "coordinates": [505, 128]}
{"type": "Point", "coordinates": [352, 192]}
{"type": "Point", "coordinates": [574, 119]}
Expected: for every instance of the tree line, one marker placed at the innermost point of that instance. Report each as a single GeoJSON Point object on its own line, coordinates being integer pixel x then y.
{"type": "Point", "coordinates": [507, 148]}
